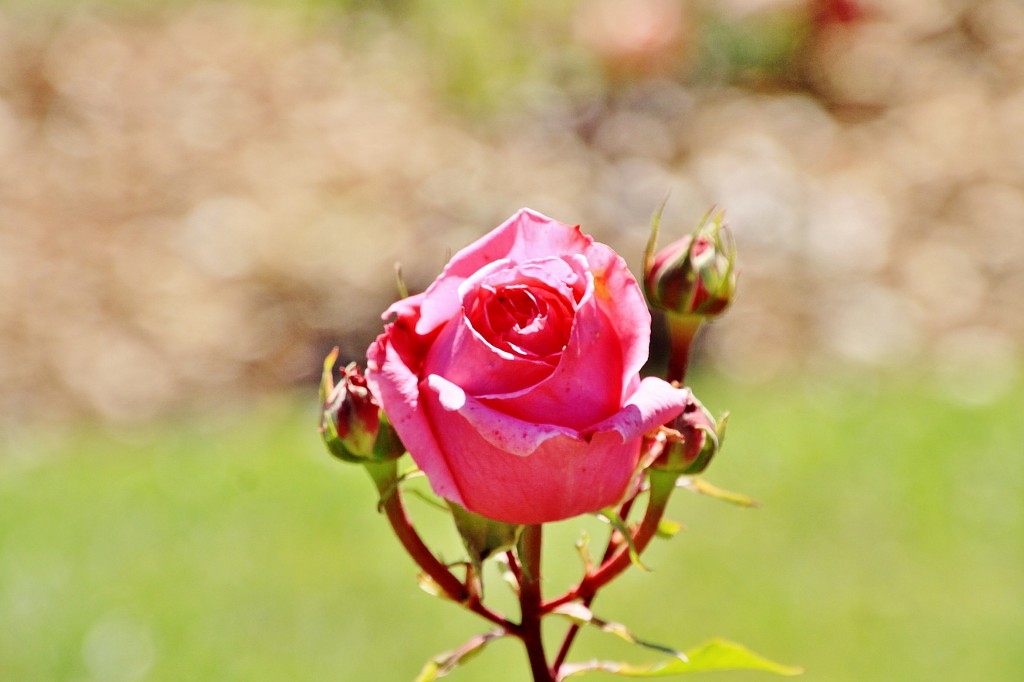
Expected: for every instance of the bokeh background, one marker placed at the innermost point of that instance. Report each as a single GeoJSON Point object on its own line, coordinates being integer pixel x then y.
{"type": "Point", "coordinates": [199, 199]}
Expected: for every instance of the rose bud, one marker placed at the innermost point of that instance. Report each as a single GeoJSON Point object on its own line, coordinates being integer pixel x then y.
{"type": "Point", "coordinates": [696, 275]}
{"type": "Point", "coordinates": [692, 440]}
{"type": "Point", "coordinates": [351, 422]}
{"type": "Point", "coordinates": [514, 378]}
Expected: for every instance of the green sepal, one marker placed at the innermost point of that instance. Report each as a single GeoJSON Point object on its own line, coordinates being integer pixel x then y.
{"type": "Point", "coordinates": [703, 487]}
{"type": "Point", "coordinates": [403, 291]}
{"type": "Point", "coordinates": [716, 654]}
{"type": "Point", "coordinates": [652, 240]}
{"type": "Point", "coordinates": [612, 517]}
{"type": "Point", "coordinates": [387, 445]}
{"type": "Point", "coordinates": [445, 663]}
{"type": "Point", "coordinates": [483, 537]}
{"type": "Point", "coordinates": [327, 378]}
{"type": "Point", "coordinates": [723, 421]}
{"type": "Point", "coordinates": [328, 430]}
{"type": "Point", "coordinates": [711, 447]}
{"type": "Point", "coordinates": [431, 500]}
{"type": "Point", "coordinates": [426, 497]}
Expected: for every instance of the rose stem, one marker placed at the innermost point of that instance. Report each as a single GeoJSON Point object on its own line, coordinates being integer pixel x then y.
{"type": "Point", "coordinates": [385, 476]}
{"type": "Point", "coordinates": [513, 566]}
{"type": "Point", "coordinates": [662, 485]}
{"type": "Point", "coordinates": [681, 331]}
{"type": "Point", "coordinates": [574, 629]}
{"type": "Point", "coordinates": [530, 603]}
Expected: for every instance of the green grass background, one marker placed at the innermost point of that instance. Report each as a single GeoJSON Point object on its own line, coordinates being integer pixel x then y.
{"type": "Point", "coordinates": [231, 547]}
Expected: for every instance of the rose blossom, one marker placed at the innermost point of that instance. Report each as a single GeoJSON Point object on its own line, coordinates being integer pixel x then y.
{"type": "Point", "coordinates": [514, 378]}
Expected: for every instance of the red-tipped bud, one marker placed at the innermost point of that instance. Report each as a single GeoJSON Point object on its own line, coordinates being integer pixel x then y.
{"type": "Point", "coordinates": [691, 440]}
{"type": "Point", "coordinates": [351, 422]}
{"type": "Point", "coordinates": [694, 276]}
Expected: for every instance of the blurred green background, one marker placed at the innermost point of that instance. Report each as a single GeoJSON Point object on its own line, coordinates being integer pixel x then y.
{"type": "Point", "coordinates": [199, 199]}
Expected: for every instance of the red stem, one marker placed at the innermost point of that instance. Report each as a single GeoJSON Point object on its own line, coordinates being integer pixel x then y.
{"type": "Point", "coordinates": [530, 602]}
{"type": "Point", "coordinates": [384, 475]}
{"type": "Point", "coordinates": [513, 566]}
{"type": "Point", "coordinates": [662, 485]}
{"type": "Point", "coordinates": [681, 330]}
{"type": "Point", "coordinates": [574, 629]}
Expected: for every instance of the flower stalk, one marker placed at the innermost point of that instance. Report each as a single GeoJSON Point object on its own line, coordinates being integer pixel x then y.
{"type": "Point", "coordinates": [662, 484]}
{"type": "Point", "coordinates": [682, 330]}
{"type": "Point", "coordinates": [531, 602]}
{"type": "Point", "coordinates": [385, 477]}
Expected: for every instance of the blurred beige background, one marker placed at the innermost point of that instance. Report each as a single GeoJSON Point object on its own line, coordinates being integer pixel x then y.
{"type": "Point", "coordinates": [197, 200]}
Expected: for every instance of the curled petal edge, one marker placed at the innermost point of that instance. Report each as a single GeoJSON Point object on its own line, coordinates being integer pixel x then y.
{"type": "Point", "coordinates": [654, 403]}
{"type": "Point", "coordinates": [397, 387]}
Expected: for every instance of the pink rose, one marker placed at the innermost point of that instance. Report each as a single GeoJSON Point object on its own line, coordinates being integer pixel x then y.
{"type": "Point", "coordinates": [514, 378]}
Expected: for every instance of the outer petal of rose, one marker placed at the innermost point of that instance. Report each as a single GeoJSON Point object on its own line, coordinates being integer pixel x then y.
{"type": "Point", "coordinates": [405, 307]}
{"type": "Point", "coordinates": [502, 431]}
{"type": "Point", "coordinates": [618, 294]}
{"type": "Point", "coordinates": [397, 389]}
{"type": "Point", "coordinates": [521, 472]}
{"type": "Point", "coordinates": [524, 236]}
{"type": "Point", "coordinates": [654, 403]}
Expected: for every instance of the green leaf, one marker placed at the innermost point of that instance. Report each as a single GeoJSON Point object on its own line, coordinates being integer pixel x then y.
{"type": "Point", "coordinates": [703, 487]}
{"type": "Point", "coordinates": [716, 654]}
{"type": "Point", "coordinates": [442, 664]}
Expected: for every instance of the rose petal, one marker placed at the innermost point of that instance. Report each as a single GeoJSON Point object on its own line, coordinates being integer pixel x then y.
{"type": "Point", "coordinates": [463, 356]}
{"type": "Point", "coordinates": [396, 387]}
{"type": "Point", "coordinates": [507, 433]}
{"type": "Point", "coordinates": [610, 340]}
{"type": "Point", "coordinates": [525, 236]}
{"type": "Point", "coordinates": [495, 300]}
{"type": "Point", "coordinates": [520, 472]}
{"type": "Point", "coordinates": [405, 307]}
{"type": "Point", "coordinates": [654, 403]}
{"type": "Point", "coordinates": [618, 294]}
{"type": "Point", "coordinates": [586, 385]}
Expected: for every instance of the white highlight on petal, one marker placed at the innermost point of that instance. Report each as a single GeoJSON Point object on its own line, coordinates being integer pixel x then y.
{"type": "Point", "coordinates": [451, 397]}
